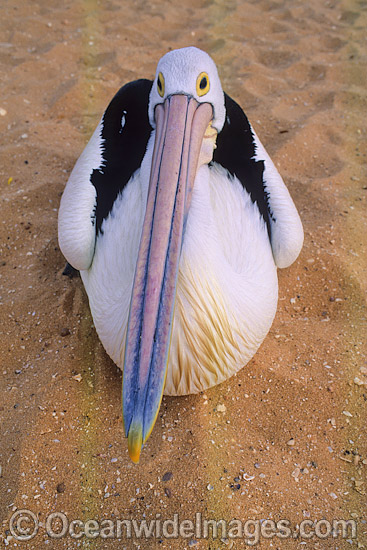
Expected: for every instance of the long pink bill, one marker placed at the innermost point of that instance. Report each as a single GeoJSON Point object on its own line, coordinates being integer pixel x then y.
{"type": "Point", "coordinates": [180, 126]}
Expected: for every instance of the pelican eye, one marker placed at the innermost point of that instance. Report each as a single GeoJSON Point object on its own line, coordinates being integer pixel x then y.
{"type": "Point", "coordinates": [160, 84]}
{"type": "Point", "coordinates": [202, 84]}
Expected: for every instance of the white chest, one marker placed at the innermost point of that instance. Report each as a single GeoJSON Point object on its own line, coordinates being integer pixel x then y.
{"type": "Point", "coordinates": [227, 283]}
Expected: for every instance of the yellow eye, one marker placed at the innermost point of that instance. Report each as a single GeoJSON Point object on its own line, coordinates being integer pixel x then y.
{"type": "Point", "coordinates": [202, 84]}
{"type": "Point", "coordinates": [160, 84]}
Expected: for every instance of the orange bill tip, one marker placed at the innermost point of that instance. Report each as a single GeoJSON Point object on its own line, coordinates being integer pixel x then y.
{"type": "Point", "coordinates": [135, 442]}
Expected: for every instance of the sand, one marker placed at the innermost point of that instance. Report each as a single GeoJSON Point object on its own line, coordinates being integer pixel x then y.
{"type": "Point", "coordinates": [285, 438]}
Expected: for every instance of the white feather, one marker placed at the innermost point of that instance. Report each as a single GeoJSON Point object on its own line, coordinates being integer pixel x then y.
{"type": "Point", "coordinates": [286, 227]}
{"type": "Point", "coordinates": [227, 262]}
{"type": "Point", "coordinates": [76, 215]}
{"type": "Point", "coordinates": [109, 280]}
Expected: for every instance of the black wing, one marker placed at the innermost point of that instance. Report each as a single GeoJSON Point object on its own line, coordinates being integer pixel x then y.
{"type": "Point", "coordinates": [125, 133]}
{"type": "Point", "coordinates": [236, 149]}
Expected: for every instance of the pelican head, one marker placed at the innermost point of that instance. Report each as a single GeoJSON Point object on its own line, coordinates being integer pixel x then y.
{"type": "Point", "coordinates": [186, 111]}
{"type": "Point", "coordinates": [192, 73]}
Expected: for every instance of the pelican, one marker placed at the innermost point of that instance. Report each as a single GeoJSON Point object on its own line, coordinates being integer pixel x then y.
{"type": "Point", "coordinates": [177, 220]}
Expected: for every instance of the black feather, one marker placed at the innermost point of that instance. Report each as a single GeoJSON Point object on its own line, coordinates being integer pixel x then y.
{"type": "Point", "coordinates": [70, 271]}
{"type": "Point", "coordinates": [235, 151]}
{"type": "Point", "coordinates": [124, 144]}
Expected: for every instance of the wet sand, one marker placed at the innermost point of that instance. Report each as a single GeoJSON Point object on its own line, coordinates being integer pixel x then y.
{"type": "Point", "coordinates": [285, 438]}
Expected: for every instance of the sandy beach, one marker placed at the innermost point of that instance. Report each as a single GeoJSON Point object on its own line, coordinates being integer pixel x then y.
{"type": "Point", "coordinates": [285, 439]}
